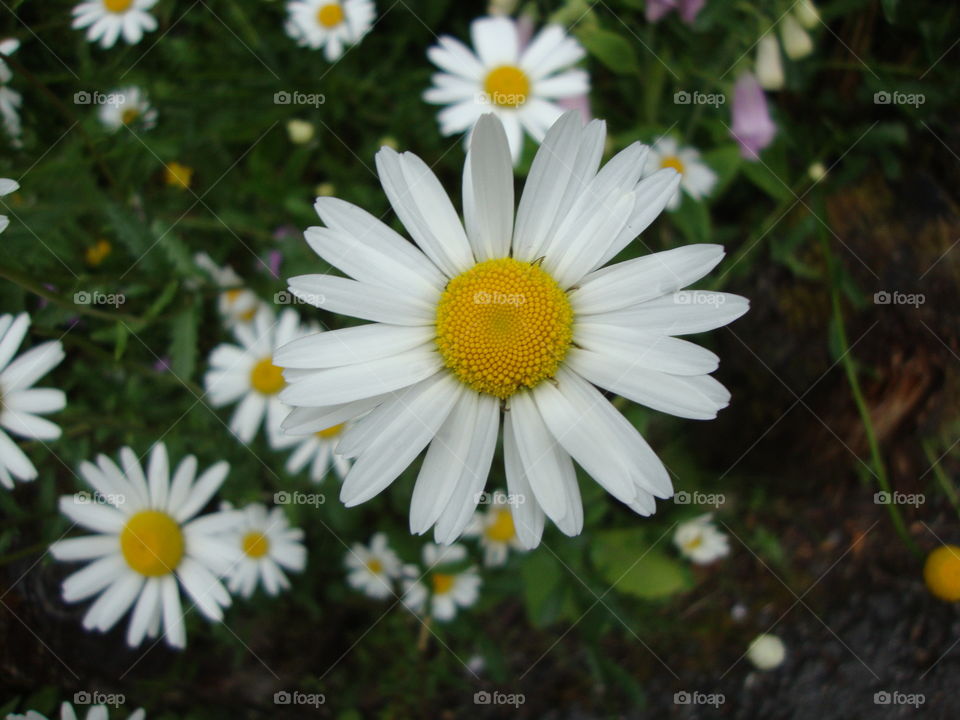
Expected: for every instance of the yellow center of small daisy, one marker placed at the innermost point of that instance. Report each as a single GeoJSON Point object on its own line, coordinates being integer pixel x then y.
{"type": "Point", "coordinates": [266, 378]}
{"type": "Point", "coordinates": [942, 572]}
{"type": "Point", "coordinates": [507, 86]}
{"type": "Point", "coordinates": [330, 15]}
{"type": "Point", "coordinates": [503, 325]}
{"type": "Point", "coordinates": [672, 161]}
{"type": "Point", "coordinates": [178, 175]}
{"type": "Point", "coordinates": [442, 583]}
{"type": "Point", "coordinates": [693, 543]}
{"type": "Point", "coordinates": [117, 6]}
{"type": "Point", "coordinates": [330, 432]}
{"type": "Point", "coordinates": [152, 543]}
{"type": "Point", "coordinates": [501, 529]}
{"type": "Point", "coordinates": [256, 544]}
{"type": "Point", "coordinates": [374, 566]}
{"type": "Point", "coordinates": [97, 253]}
{"type": "Point", "coordinates": [129, 115]}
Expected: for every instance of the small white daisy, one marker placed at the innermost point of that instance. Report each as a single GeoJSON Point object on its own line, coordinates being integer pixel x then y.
{"type": "Point", "coordinates": [372, 570]}
{"type": "Point", "coordinates": [442, 588]}
{"type": "Point", "coordinates": [94, 712]}
{"type": "Point", "coordinates": [700, 540]}
{"type": "Point", "coordinates": [519, 85]}
{"type": "Point", "coordinates": [236, 303]}
{"type": "Point", "coordinates": [7, 186]}
{"type": "Point", "coordinates": [246, 372]}
{"type": "Point", "coordinates": [127, 106]}
{"type": "Point", "coordinates": [107, 20]}
{"type": "Point", "coordinates": [319, 450]}
{"type": "Point", "coordinates": [21, 404]}
{"type": "Point", "coordinates": [766, 652]}
{"type": "Point", "coordinates": [496, 530]}
{"type": "Point", "coordinates": [329, 24]}
{"type": "Point", "coordinates": [10, 99]}
{"type": "Point", "coordinates": [149, 544]}
{"type": "Point", "coordinates": [268, 545]}
{"type": "Point", "coordinates": [696, 177]}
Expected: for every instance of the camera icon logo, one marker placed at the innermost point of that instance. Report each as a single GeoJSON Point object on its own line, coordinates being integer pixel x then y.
{"type": "Point", "coordinates": [681, 97]}
{"type": "Point", "coordinates": [481, 697]}
{"type": "Point", "coordinates": [281, 498]}
{"type": "Point", "coordinates": [681, 698]}
{"type": "Point", "coordinates": [682, 498]}
{"type": "Point", "coordinates": [881, 97]}
{"type": "Point", "coordinates": [82, 97]}
{"type": "Point", "coordinates": [282, 97]}
{"type": "Point", "coordinates": [82, 298]}
{"type": "Point", "coordinates": [281, 697]}
{"type": "Point", "coordinates": [881, 297]}
{"type": "Point", "coordinates": [882, 498]}
{"type": "Point", "coordinates": [881, 698]}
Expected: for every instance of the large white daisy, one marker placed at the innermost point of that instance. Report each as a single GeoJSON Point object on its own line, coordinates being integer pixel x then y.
{"type": "Point", "coordinates": [21, 404]}
{"type": "Point", "coordinates": [7, 186]}
{"type": "Point", "coordinates": [94, 712]}
{"type": "Point", "coordinates": [269, 546]}
{"type": "Point", "coordinates": [149, 544]}
{"type": "Point", "coordinates": [518, 84]}
{"type": "Point", "coordinates": [107, 20]}
{"type": "Point", "coordinates": [372, 568]}
{"type": "Point", "coordinates": [512, 317]}
{"type": "Point", "coordinates": [127, 106]}
{"type": "Point", "coordinates": [696, 177]}
{"type": "Point", "coordinates": [329, 24]}
{"type": "Point", "coordinates": [445, 586]}
{"type": "Point", "coordinates": [246, 372]}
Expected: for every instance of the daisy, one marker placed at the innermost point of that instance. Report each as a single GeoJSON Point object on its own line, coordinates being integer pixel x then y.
{"type": "Point", "coordinates": [268, 545]}
{"type": "Point", "coordinates": [700, 540]}
{"type": "Point", "coordinates": [10, 99]}
{"type": "Point", "coordinates": [148, 544]}
{"type": "Point", "coordinates": [7, 186]}
{"type": "Point", "coordinates": [506, 318]}
{"type": "Point", "coordinates": [446, 588]}
{"type": "Point", "coordinates": [236, 304]}
{"type": "Point", "coordinates": [319, 451]}
{"type": "Point", "coordinates": [518, 85]}
{"type": "Point", "coordinates": [126, 107]}
{"type": "Point", "coordinates": [496, 531]}
{"type": "Point", "coordinates": [372, 570]}
{"type": "Point", "coordinates": [21, 404]}
{"type": "Point", "coordinates": [696, 177]}
{"type": "Point", "coordinates": [246, 372]}
{"type": "Point", "coordinates": [95, 712]}
{"type": "Point", "coordinates": [329, 24]}
{"type": "Point", "coordinates": [107, 20]}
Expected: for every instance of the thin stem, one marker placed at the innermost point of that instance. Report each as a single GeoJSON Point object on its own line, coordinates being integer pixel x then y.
{"type": "Point", "coordinates": [945, 483]}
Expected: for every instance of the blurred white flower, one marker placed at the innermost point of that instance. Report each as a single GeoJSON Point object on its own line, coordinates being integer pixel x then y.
{"type": "Point", "coordinates": [300, 132]}
{"type": "Point", "coordinates": [372, 570]}
{"type": "Point", "coordinates": [237, 305]}
{"type": "Point", "coordinates": [108, 20]}
{"type": "Point", "coordinates": [766, 652]}
{"type": "Point", "coordinates": [318, 450]}
{"type": "Point", "coordinates": [268, 546]}
{"type": "Point", "coordinates": [769, 66]}
{"type": "Point", "coordinates": [94, 712]}
{"type": "Point", "coordinates": [807, 13]}
{"type": "Point", "coordinates": [329, 24]}
{"type": "Point", "coordinates": [7, 186]}
{"type": "Point", "coordinates": [797, 43]}
{"type": "Point", "coordinates": [127, 106]}
{"type": "Point", "coordinates": [495, 530]}
{"type": "Point", "coordinates": [700, 541]}
{"type": "Point", "coordinates": [696, 177]}
{"type": "Point", "coordinates": [441, 589]}
{"type": "Point", "coordinates": [10, 99]}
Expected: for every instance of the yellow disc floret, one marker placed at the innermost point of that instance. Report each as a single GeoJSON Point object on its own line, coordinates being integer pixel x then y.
{"type": "Point", "coordinates": [256, 544]}
{"type": "Point", "coordinates": [672, 161]}
{"type": "Point", "coordinates": [152, 543]}
{"type": "Point", "coordinates": [330, 432]}
{"type": "Point", "coordinates": [501, 529]}
{"type": "Point", "coordinates": [266, 378]}
{"type": "Point", "coordinates": [942, 572]}
{"type": "Point", "coordinates": [503, 325]}
{"type": "Point", "coordinates": [117, 6]}
{"type": "Point", "coordinates": [442, 583]}
{"type": "Point", "coordinates": [330, 15]}
{"type": "Point", "coordinates": [374, 566]}
{"type": "Point", "coordinates": [507, 86]}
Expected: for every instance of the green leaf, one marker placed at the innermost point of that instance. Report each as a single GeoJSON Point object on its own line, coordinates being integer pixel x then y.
{"type": "Point", "coordinates": [542, 589]}
{"type": "Point", "coordinates": [725, 162]}
{"type": "Point", "coordinates": [611, 49]}
{"type": "Point", "coordinates": [764, 178]}
{"type": "Point", "coordinates": [693, 219]}
{"type": "Point", "coordinates": [625, 559]}
{"type": "Point", "coordinates": [183, 346]}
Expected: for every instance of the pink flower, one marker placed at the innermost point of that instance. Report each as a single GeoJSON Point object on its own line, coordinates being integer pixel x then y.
{"type": "Point", "coordinates": [753, 127]}
{"type": "Point", "coordinates": [688, 9]}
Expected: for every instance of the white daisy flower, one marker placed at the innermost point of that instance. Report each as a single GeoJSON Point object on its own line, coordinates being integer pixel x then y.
{"type": "Point", "coordinates": [496, 530]}
{"type": "Point", "coordinates": [696, 177]}
{"type": "Point", "coordinates": [148, 545]}
{"type": "Point", "coordinates": [329, 24]}
{"type": "Point", "coordinates": [444, 589]}
{"type": "Point", "coordinates": [372, 570]}
{"type": "Point", "coordinates": [10, 99]}
{"type": "Point", "coordinates": [319, 451]}
{"type": "Point", "coordinates": [236, 303]}
{"type": "Point", "coordinates": [107, 20]}
{"type": "Point", "coordinates": [94, 712]}
{"type": "Point", "coordinates": [700, 540]}
{"type": "Point", "coordinates": [21, 404]}
{"type": "Point", "coordinates": [506, 317]}
{"type": "Point", "coordinates": [519, 85]}
{"type": "Point", "coordinates": [8, 46]}
{"type": "Point", "coordinates": [127, 106]}
{"type": "Point", "coordinates": [766, 652]}
{"type": "Point", "coordinates": [246, 372]}
{"type": "Point", "coordinates": [268, 545]}
{"type": "Point", "coordinates": [7, 186]}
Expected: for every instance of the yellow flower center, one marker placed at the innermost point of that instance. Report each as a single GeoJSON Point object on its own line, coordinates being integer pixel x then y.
{"type": "Point", "coordinates": [442, 583]}
{"type": "Point", "coordinates": [374, 566]}
{"type": "Point", "coordinates": [177, 175]}
{"type": "Point", "coordinates": [507, 86]}
{"type": "Point", "coordinates": [672, 161]}
{"type": "Point", "coordinates": [256, 544]}
{"type": "Point", "coordinates": [330, 432]}
{"type": "Point", "coordinates": [693, 543]}
{"type": "Point", "coordinates": [266, 378]}
{"type": "Point", "coordinates": [129, 115]}
{"type": "Point", "coordinates": [503, 325]}
{"type": "Point", "coordinates": [942, 572]}
{"type": "Point", "coordinates": [97, 253]}
{"type": "Point", "coordinates": [330, 15]}
{"type": "Point", "coordinates": [501, 529]}
{"type": "Point", "coordinates": [152, 543]}
{"type": "Point", "coordinates": [117, 6]}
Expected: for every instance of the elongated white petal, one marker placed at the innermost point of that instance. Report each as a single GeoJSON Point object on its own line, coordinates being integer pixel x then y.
{"type": "Point", "coordinates": [84, 548]}
{"type": "Point", "coordinates": [646, 350]}
{"type": "Point", "coordinates": [528, 516]}
{"type": "Point", "coordinates": [680, 313]}
{"type": "Point", "coordinates": [537, 449]}
{"type": "Point", "coordinates": [307, 420]}
{"type": "Point", "coordinates": [352, 345]}
{"type": "Point", "coordinates": [488, 190]}
{"type": "Point", "coordinates": [361, 300]}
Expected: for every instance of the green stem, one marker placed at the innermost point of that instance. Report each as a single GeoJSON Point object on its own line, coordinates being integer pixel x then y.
{"type": "Point", "coordinates": [946, 485]}
{"type": "Point", "coordinates": [38, 289]}
{"type": "Point", "coordinates": [23, 552]}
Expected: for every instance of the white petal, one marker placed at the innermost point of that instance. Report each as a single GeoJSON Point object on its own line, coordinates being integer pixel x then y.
{"type": "Point", "coordinates": [93, 578]}
{"type": "Point", "coordinates": [681, 313]}
{"type": "Point", "coordinates": [352, 345]}
{"type": "Point", "coordinates": [29, 426]}
{"type": "Point", "coordinates": [147, 607]}
{"type": "Point", "coordinates": [14, 459]}
{"type": "Point", "coordinates": [646, 350]}
{"type": "Point", "coordinates": [369, 302]}
{"type": "Point", "coordinates": [32, 365]}
{"type": "Point", "coordinates": [173, 624]}
{"type": "Point", "coordinates": [542, 464]}
{"type": "Point", "coordinates": [159, 475]}
{"type": "Point", "coordinates": [528, 517]}
{"type": "Point", "coordinates": [84, 548]}
{"type": "Point", "coordinates": [35, 400]}
{"type": "Point", "coordinates": [495, 40]}
{"type": "Point", "coordinates": [207, 484]}
{"type": "Point", "coordinates": [488, 190]}
{"type": "Point", "coordinates": [13, 335]}
{"type": "Point", "coordinates": [92, 515]}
